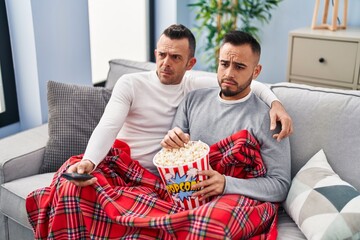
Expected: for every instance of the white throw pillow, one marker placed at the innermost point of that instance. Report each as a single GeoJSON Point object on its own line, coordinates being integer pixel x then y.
{"type": "Point", "coordinates": [322, 204]}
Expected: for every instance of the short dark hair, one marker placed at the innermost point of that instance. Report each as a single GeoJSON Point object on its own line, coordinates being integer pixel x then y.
{"type": "Point", "coordinates": [238, 38]}
{"type": "Point", "coordinates": [179, 31]}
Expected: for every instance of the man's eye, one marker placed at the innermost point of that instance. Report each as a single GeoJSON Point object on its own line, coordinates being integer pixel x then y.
{"type": "Point", "coordinates": [239, 67]}
{"type": "Point", "coordinates": [176, 57]}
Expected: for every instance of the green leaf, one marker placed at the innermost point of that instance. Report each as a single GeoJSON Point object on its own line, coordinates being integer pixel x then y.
{"type": "Point", "coordinates": [246, 11]}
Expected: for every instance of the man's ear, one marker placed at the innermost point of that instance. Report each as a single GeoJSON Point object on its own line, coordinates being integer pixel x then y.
{"type": "Point", "coordinates": [257, 71]}
{"type": "Point", "coordinates": [191, 63]}
{"type": "Point", "coordinates": [155, 53]}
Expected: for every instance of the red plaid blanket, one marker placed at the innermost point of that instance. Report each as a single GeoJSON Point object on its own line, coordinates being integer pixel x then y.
{"type": "Point", "coordinates": [129, 202]}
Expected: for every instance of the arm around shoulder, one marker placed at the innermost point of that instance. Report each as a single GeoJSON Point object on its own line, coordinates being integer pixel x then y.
{"type": "Point", "coordinates": [277, 111]}
{"type": "Point", "coordinates": [263, 92]}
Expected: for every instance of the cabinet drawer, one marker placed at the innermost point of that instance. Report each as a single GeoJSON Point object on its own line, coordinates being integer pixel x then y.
{"type": "Point", "coordinates": [324, 59]}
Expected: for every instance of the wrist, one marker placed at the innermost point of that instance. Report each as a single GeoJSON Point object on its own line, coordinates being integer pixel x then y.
{"type": "Point", "coordinates": [89, 163]}
{"type": "Point", "coordinates": [276, 103]}
{"type": "Point", "coordinates": [223, 191]}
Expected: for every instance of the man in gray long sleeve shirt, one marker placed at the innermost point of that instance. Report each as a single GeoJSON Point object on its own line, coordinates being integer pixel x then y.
{"type": "Point", "coordinates": [213, 114]}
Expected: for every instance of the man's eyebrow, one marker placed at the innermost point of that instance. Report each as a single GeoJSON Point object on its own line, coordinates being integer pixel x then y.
{"type": "Point", "coordinates": [169, 52]}
{"type": "Point", "coordinates": [223, 60]}
{"type": "Point", "coordinates": [241, 64]}
{"type": "Point", "coordinates": [236, 63]}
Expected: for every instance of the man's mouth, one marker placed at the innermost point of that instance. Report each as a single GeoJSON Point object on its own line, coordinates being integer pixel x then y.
{"type": "Point", "coordinates": [228, 82]}
{"type": "Point", "coordinates": [166, 71]}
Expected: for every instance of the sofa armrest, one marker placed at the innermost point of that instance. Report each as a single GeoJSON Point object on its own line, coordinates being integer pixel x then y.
{"type": "Point", "coordinates": [22, 154]}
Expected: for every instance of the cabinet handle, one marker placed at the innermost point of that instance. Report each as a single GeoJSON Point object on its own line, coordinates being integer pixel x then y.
{"type": "Point", "coordinates": [321, 60]}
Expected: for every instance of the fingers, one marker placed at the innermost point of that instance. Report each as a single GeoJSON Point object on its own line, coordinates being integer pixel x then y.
{"type": "Point", "coordinates": [175, 138]}
{"type": "Point", "coordinates": [273, 120]}
{"type": "Point", "coordinates": [211, 187]}
{"type": "Point", "coordinates": [281, 135]}
{"type": "Point", "coordinates": [84, 183]}
{"type": "Point", "coordinates": [278, 113]}
{"type": "Point", "coordinates": [275, 111]}
{"type": "Point", "coordinates": [286, 129]}
{"type": "Point", "coordinates": [73, 168]}
{"type": "Point", "coordinates": [84, 166]}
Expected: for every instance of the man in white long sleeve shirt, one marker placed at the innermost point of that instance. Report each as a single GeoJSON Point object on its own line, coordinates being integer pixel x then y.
{"type": "Point", "coordinates": [142, 106]}
{"type": "Point", "coordinates": [213, 114]}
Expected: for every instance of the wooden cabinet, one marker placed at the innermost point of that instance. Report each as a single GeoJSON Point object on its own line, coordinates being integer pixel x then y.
{"type": "Point", "coordinates": [325, 58]}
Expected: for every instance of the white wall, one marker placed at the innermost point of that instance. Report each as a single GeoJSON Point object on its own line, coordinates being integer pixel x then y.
{"type": "Point", "coordinates": [25, 64]}
{"type": "Point", "coordinates": [165, 15]}
{"type": "Point", "coordinates": [61, 30]}
{"type": "Point", "coordinates": [69, 41]}
{"type": "Point", "coordinates": [117, 30]}
{"type": "Point", "coordinates": [50, 41]}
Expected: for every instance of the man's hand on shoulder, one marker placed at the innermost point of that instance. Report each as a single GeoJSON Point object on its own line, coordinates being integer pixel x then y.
{"type": "Point", "coordinates": [279, 114]}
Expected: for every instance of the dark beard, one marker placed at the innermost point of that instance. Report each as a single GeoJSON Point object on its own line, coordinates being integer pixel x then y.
{"type": "Point", "coordinates": [229, 93]}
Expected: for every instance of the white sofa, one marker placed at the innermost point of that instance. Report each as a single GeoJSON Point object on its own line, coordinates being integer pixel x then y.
{"type": "Point", "coordinates": [323, 118]}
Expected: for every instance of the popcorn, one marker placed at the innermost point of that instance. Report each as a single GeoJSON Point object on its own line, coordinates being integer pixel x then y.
{"type": "Point", "coordinates": [178, 169]}
{"type": "Point", "coordinates": [178, 157]}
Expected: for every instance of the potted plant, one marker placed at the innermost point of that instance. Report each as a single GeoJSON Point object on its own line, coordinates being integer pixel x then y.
{"type": "Point", "coordinates": [217, 17]}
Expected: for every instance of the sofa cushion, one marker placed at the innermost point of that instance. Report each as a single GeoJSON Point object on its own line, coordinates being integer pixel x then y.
{"type": "Point", "coordinates": [74, 112]}
{"type": "Point", "coordinates": [322, 204]}
{"type": "Point", "coordinates": [287, 228]}
{"type": "Point", "coordinates": [25, 159]}
{"type": "Point", "coordinates": [119, 67]}
{"type": "Point", "coordinates": [326, 119]}
{"type": "Point", "coordinates": [14, 193]}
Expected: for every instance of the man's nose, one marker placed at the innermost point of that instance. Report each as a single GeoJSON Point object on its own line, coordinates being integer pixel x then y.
{"type": "Point", "coordinates": [229, 72]}
{"type": "Point", "coordinates": [167, 60]}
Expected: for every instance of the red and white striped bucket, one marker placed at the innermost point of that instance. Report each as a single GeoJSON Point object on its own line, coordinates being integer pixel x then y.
{"type": "Point", "coordinates": [179, 179]}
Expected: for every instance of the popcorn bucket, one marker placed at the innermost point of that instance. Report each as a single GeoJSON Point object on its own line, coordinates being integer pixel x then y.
{"type": "Point", "coordinates": [180, 178]}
